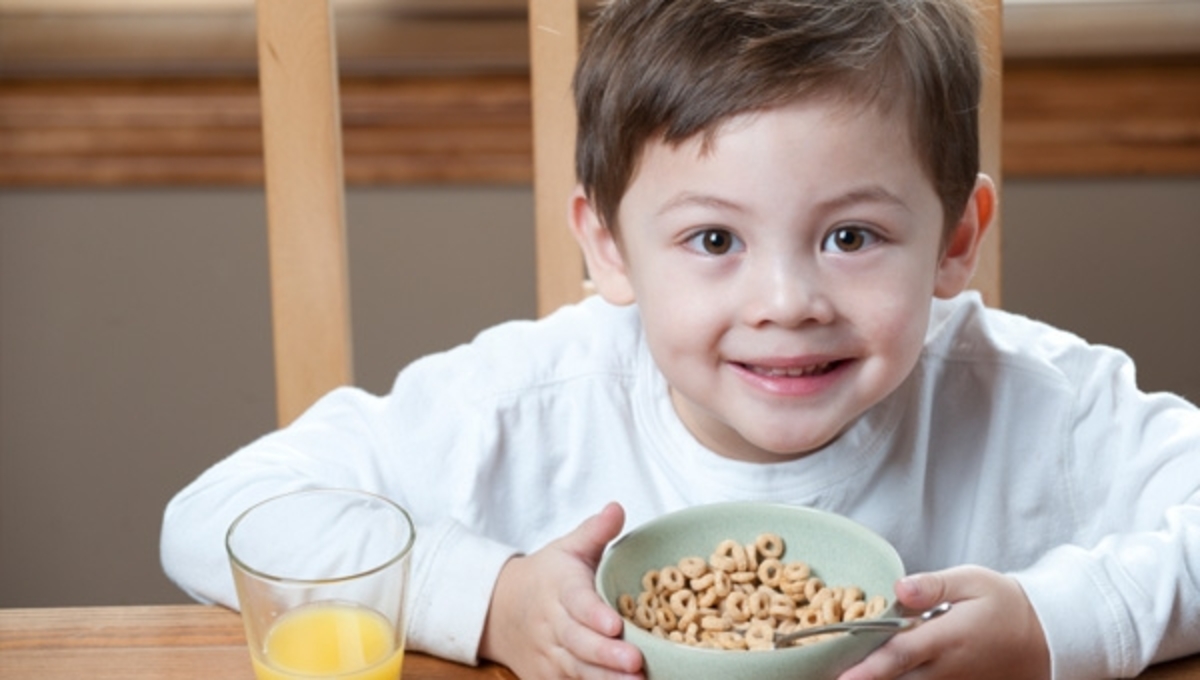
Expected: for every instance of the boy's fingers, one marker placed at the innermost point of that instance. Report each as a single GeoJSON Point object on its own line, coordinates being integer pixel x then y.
{"type": "Point", "coordinates": [592, 649]}
{"type": "Point", "coordinates": [922, 591]}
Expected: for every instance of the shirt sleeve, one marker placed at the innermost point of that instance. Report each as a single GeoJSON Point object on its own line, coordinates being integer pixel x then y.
{"type": "Point", "coordinates": [1123, 595]}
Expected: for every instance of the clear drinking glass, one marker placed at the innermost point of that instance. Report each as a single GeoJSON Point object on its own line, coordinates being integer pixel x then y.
{"type": "Point", "coordinates": [321, 579]}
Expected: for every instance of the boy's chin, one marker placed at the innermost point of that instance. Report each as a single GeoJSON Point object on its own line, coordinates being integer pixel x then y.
{"type": "Point", "coordinates": [779, 450]}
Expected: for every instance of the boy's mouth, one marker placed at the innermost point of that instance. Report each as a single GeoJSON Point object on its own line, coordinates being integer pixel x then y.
{"type": "Point", "coordinates": [806, 371]}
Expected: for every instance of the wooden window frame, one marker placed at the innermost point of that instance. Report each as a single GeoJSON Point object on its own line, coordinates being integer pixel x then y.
{"type": "Point", "coordinates": [94, 111]}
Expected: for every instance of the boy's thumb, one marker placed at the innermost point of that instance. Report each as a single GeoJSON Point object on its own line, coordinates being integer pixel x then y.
{"type": "Point", "coordinates": [590, 538]}
{"type": "Point", "coordinates": [921, 591]}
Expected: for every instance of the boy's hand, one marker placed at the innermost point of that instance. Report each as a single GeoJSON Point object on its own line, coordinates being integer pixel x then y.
{"type": "Point", "coordinates": [546, 618]}
{"type": "Point", "coordinates": [992, 632]}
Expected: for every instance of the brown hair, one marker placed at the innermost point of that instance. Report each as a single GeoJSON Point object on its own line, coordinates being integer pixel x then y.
{"type": "Point", "coordinates": [671, 69]}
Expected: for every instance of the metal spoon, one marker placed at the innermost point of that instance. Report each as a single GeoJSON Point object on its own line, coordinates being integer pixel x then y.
{"type": "Point", "coordinates": [890, 624]}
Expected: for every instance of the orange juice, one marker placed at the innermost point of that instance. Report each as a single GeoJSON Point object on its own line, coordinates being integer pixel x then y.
{"type": "Point", "coordinates": [330, 640]}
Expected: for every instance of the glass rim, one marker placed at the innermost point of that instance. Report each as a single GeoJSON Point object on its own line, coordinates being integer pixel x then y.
{"type": "Point", "coordinates": [400, 554]}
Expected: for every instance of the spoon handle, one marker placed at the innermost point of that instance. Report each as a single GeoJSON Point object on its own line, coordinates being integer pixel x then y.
{"type": "Point", "coordinates": [891, 624]}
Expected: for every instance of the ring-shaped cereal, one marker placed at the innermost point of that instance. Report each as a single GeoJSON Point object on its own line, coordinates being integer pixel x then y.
{"type": "Point", "coordinates": [722, 585]}
{"type": "Point", "coordinates": [760, 635]}
{"type": "Point", "coordinates": [856, 610]}
{"type": "Point", "coordinates": [726, 551]}
{"type": "Point", "coordinates": [851, 594]}
{"type": "Point", "coordinates": [683, 601]}
{"type": "Point", "coordinates": [759, 605]}
{"type": "Point", "coordinates": [626, 605]}
{"type": "Point", "coordinates": [671, 579]}
{"type": "Point", "coordinates": [809, 617]}
{"type": "Point", "coordinates": [831, 610]}
{"type": "Point", "coordinates": [650, 581]}
{"type": "Point", "coordinates": [770, 572]}
{"type": "Point", "coordinates": [782, 607]}
{"type": "Point", "coordinates": [813, 586]}
{"type": "Point", "coordinates": [736, 607]}
{"type": "Point", "coordinates": [741, 577]}
{"type": "Point", "coordinates": [769, 545]}
{"type": "Point", "coordinates": [693, 567]}
{"type": "Point", "coordinates": [644, 616]}
{"type": "Point", "coordinates": [730, 640]}
{"type": "Point", "coordinates": [648, 599]}
{"type": "Point", "coordinates": [876, 606]}
{"type": "Point", "coordinates": [796, 572]}
{"type": "Point", "coordinates": [751, 556]}
{"type": "Point", "coordinates": [666, 618]}
{"type": "Point", "coordinates": [703, 582]}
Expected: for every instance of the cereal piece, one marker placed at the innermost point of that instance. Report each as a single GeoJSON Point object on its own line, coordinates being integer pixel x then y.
{"type": "Point", "coordinates": [796, 571]}
{"type": "Point", "coordinates": [831, 610]}
{"type": "Point", "coordinates": [770, 571]}
{"type": "Point", "coordinates": [782, 608]}
{"type": "Point", "coordinates": [683, 601]}
{"type": "Point", "coordinates": [722, 584]}
{"type": "Point", "coordinates": [759, 605]}
{"type": "Point", "coordinates": [876, 606]}
{"type": "Point", "coordinates": [671, 579]}
{"type": "Point", "coordinates": [809, 617]}
{"type": "Point", "coordinates": [650, 581]}
{"type": "Point", "coordinates": [729, 556]}
{"type": "Point", "coordinates": [742, 577]}
{"type": "Point", "coordinates": [751, 557]}
{"type": "Point", "coordinates": [703, 581]}
{"type": "Point", "coordinates": [666, 618]}
{"type": "Point", "coordinates": [645, 617]}
{"type": "Point", "coordinates": [716, 623]}
{"type": "Point", "coordinates": [730, 640]}
{"type": "Point", "coordinates": [854, 611]}
{"type": "Point", "coordinates": [648, 599]}
{"type": "Point", "coordinates": [626, 605]}
{"type": "Point", "coordinates": [736, 607]}
{"type": "Point", "coordinates": [693, 567]}
{"type": "Point", "coordinates": [769, 545]}
{"type": "Point", "coordinates": [760, 635]}
{"type": "Point", "coordinates": [851, 594]}
{"type": "Point", "coordinates": [813, 586]}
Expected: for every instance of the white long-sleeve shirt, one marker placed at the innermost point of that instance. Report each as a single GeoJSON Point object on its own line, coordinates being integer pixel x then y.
{"type": "Point", "coordinates": [1012, 445]}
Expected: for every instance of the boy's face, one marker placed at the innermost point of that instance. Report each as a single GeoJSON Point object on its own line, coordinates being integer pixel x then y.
{"type": "Point", "coordinates": [784, 274]}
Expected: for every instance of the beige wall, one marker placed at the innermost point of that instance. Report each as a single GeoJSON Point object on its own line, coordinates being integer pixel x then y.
{"type": "Point", "coordinates": [135, 349]}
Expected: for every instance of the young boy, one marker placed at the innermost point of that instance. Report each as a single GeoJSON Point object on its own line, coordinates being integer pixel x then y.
{"type": "Point", "coordinates": [780, 206]}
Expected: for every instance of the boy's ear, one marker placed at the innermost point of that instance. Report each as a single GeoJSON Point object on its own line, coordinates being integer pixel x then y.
{"type": "Point", "coordinates": [961, 251]}
{"type": "Point", "coordinates": [601, 251]}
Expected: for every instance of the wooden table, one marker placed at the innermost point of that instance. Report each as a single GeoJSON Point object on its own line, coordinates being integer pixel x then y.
{"type": "Point", "coordinates": [193, 642]}
{"type": "Point", "coordinates": [175, 642]}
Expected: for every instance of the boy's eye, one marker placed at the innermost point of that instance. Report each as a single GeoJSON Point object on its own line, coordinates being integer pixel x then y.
{"type": "Point", "coordinates": [714, 241]}
{"type": "Point", "coordinates": [848, 239]}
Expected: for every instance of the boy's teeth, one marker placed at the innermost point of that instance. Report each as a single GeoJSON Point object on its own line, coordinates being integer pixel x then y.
{"type": "Point", "coordinates": [792, 372]}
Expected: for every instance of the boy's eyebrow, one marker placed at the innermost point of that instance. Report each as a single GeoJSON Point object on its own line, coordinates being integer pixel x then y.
{"type": "Point", "coordinates": [691, 198]}
{"type": "Point", "coordinates": [873, 193]}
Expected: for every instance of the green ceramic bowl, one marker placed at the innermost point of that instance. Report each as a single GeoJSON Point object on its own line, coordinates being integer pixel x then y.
{"type": "Point", "coordinates": [840, 551]}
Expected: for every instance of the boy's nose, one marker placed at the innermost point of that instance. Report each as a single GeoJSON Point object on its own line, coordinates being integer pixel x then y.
{"type": "Point", "coordinates": [788, 295]}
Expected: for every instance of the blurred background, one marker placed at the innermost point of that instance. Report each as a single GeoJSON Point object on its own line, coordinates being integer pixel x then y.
{"type": "Point", "coordinates": [135, 346]}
